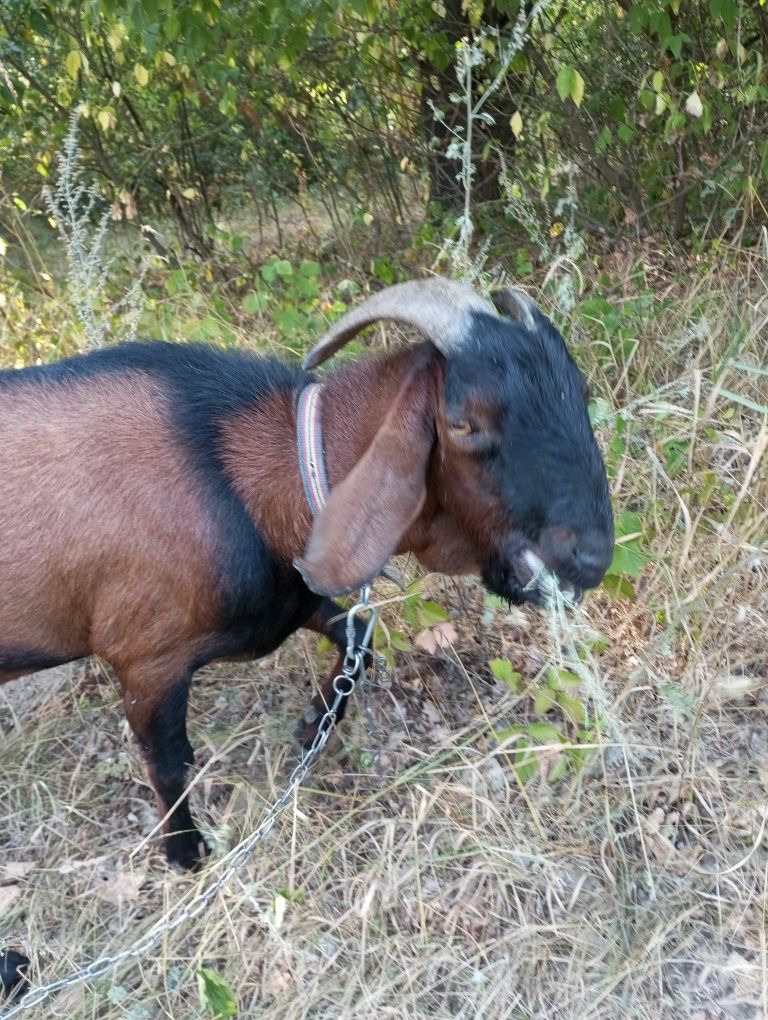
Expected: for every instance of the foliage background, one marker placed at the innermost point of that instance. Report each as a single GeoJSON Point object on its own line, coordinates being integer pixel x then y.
{"type": "Point", "coordinates": [192, 108]}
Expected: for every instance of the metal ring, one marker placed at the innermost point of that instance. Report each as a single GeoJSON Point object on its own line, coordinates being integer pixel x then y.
{"type": "Point", "coordinates": [338, 682]}
{"type": "Point", "coordinates": [354, 663]}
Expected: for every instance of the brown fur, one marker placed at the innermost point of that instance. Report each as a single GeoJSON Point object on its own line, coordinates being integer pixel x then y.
{"type": "Point", "coordinates": [260, 454]}
{"type": "Point", "coordinates": [373, 506]}
{"type": "Point", "coordinates": [71, 566]}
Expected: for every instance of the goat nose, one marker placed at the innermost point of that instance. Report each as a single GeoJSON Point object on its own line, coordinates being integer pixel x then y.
{"type": "Point", "coordinates": [592, 555]}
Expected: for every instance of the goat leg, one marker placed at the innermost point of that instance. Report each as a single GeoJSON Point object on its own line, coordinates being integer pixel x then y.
{"type": "Point", "coordinates": [329, 619]}
{"type": "Point", "coordinates": [156, 711]}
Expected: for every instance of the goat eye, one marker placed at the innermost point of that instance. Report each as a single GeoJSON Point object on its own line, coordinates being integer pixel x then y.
{"type": "Point", "coordinates": [460, 428]}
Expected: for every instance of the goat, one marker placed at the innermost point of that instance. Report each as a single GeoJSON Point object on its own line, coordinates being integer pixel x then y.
{"type": "Point", "coordinates": [152, 510]}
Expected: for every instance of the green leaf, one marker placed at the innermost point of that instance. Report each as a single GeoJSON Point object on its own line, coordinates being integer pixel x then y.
{"type": "Point", "coordinates": [544, 733]}
{"type": "Point", "coordinates": [502, 670]}
{"type": "Point", "coordinates": [725, 10]}
{"type": "Point", "coordinates": [563, 82]}
{"type": "Point", "coordinates": [268, 271]}
{"type": "Point", "coordinates": [660, 24]}
{"type": "Point", "coordinates": [255, 302]}
{"type": "Point", "coordinates": [283, 268]}
{"type": "Point", "coordinates": [543, 701]}
{"type": "Point", "coordinates": [526, 766]}
{"type": "Point", "coordinates": [558, 770]}
{"type": "Point", "coordinates": [637, 18]}
{"type": "Point", "coordinates": [604, 139]}
{"type": "Point", "coordinates": [430, 614]}
{"type": "Point", "coordinates": [141, 74]}
{"type": "Point", "coordinates": [399, 641]}
{"type": "Point", "coordinates": [600, 412]}
{"type": "Point", "coordinates": [674, 43]}
{"type": "Point", "coordinates": [564, 680]}
{"type": "Point", "coordinates": [176, 282]}
{"type": "Point", "coordinates": [618, 587]}
{"type": "Point", "coordinates": [570, 84]}
{"type": "Point", "coordinates": [628, 558]}
{"type": "Point", "coordinates": [73, 63]}
{"type": "Point", "coordinates": [215, 994]}
{"type": "Point", "coordinates": [628, 523]}
{"type": "Point", "coordinates": [577, 88]}
{"type": "Point", "coordinates": [573, 708]}
{"type": "Point", "coordinates": [289, 321]}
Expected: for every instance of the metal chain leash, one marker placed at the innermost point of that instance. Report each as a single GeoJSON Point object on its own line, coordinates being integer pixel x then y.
{"type": "Point", "coordinates": [344, 684]}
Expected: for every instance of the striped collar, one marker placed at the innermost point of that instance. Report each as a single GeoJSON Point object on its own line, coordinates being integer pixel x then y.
{"type": "Point", "coordinates": [310, 445]}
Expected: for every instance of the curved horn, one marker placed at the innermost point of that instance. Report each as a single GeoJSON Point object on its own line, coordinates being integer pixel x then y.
{"type": "Point", "coordinates": [437, 308]}
{"type": "Point", "coordinates": [515, 305]}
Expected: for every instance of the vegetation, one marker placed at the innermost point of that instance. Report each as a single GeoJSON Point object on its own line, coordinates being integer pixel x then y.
{"type": "Point", "coordinates": [563, 815]}
{"type": "Point", "coordinates": [191, 109]}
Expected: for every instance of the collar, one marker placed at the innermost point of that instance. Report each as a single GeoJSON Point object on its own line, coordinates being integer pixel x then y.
{"type": "Point", "coordinates": [309, 438]}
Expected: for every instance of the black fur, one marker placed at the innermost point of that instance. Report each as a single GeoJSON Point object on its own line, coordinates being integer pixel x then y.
{"type": "Point", "coordinates": [25, 660]}
{"type": "Point", "coordinates": [543, 458]}
{"type": "Point", "coordinates": [169, 753]}
{"type": "Point", "coordinates": [13, 971]}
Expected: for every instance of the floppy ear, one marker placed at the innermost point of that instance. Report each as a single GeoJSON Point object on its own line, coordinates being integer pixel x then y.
{"type": "Point", "coordinates": [370, 510]}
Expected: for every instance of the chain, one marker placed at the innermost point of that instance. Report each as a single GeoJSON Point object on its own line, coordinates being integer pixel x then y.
{"type": "Point", "coordinates": [353, 668]}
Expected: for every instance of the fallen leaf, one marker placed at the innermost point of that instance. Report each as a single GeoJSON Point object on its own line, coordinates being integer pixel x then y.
{"type": "Point", "coordinates": [442, 635]}
{"type": "Point", "coordinates": [121, 889]}
{"type": "Point", "coordinates": [278, 979]}
{"type": "Point", "coordinates": [8, 896]}
{"type": "Point", "coordinates": [16, 869]}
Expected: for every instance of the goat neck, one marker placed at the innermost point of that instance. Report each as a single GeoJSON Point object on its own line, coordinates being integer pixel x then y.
{"type": "Point", "coordinates": [260, 452]}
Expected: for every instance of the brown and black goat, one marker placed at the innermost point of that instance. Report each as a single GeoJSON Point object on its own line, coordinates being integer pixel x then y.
{"type": "Point", "coordinates": [152, 509]}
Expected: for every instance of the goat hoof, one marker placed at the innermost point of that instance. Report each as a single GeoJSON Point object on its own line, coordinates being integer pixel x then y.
{"type": "Point", "coordinates": [13, 979]}
{"type": "Point", "coordinates": [186, 851]}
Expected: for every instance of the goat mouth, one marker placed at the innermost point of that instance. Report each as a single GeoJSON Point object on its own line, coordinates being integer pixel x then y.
{"type": "Point", "coordinates": [525, 577]}
{"type": "Point", "coordinates": [538, 577]}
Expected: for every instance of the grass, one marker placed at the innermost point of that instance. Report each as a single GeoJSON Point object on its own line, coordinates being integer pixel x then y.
{"type": "Point", "coordinates": [449, 882]}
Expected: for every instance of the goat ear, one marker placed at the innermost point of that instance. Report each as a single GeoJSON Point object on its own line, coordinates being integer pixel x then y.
{"type": "Point", "coordinates": [371, 509]}
{"type": "Point", "coordinates": [515, 304]}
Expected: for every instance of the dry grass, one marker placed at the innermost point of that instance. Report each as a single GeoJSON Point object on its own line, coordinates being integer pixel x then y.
{"type": "Point", "coordinates": [636, 886]}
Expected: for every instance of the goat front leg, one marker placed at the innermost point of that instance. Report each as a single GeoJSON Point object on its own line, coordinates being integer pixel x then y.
{"type": "Point", "coordinates": [156, 709]}
{"type": "Point", "coordinates": [329, 619]}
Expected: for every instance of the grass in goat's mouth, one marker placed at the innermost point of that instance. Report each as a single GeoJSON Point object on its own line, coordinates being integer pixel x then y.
{"type": "Point", "coordinates": [572, 643]}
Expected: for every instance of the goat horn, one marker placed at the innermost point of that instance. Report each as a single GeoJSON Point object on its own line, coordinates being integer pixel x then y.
{"type": "Point", "coordinates": [515, 305]}
{"type": "Point", "coordinates": [438, 308]}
